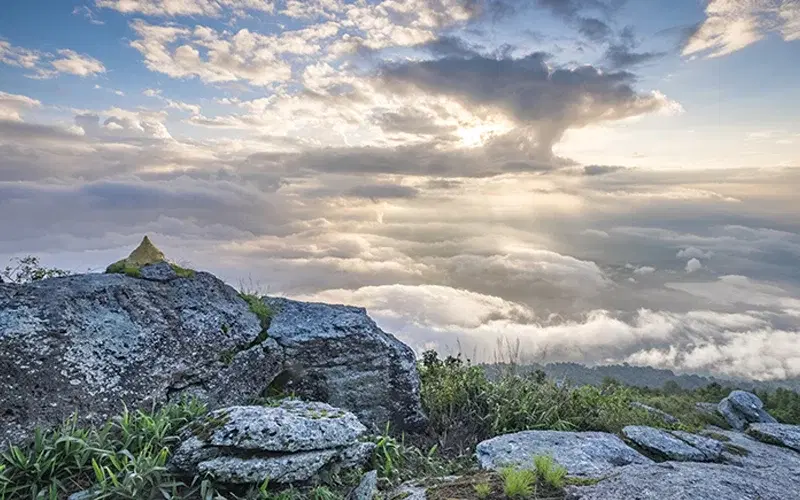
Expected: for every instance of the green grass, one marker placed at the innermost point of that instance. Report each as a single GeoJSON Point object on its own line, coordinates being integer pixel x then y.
{"type": "Point", "coordinates": [482, 490]}
{"type": "Point", "coordinates": [549, 472]}
{"type": "Point", "coordinates": [465, 407]}
{"type": "Point", "coordinates": [260, 309]}
{"type": "Point", "coordinates": [122, 268]}
{"type": "Point", "coordinates": [125, 458]}
{"type": "Point", "coordinates": [182, 272]}
{"type": "Point", "coordinates": [518, 483]}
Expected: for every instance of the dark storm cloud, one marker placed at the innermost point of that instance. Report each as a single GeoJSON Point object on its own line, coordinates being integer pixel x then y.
{"type": "Point", "coordinates": [412, 121]}
{"type": "Point", "coordinates": [548, 101]}
{"type": "Point", "coordinates": [449, 46]}
{"type": "Point", "coordinates": [594, 29]}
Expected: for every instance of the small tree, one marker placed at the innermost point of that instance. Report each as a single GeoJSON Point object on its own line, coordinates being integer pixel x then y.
{"type": "Point", "coordinates": [27, 269]}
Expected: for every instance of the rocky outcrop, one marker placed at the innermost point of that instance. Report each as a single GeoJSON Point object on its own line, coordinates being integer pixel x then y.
{"type": "Point", "coordinates": [587, 454]}
{"type": "Point", "coordinates": [693, 481]}
{"type": "Point", "coordinates": [289, 443]}
{"type": "Point", "coordinates": [337, 354]}
{"type": "Point", "coordinates": [741, 408]}
{"type": "Point", "coordinates": [666, 445]}
{"type": "Point", "coordinates": [663, 416]}
{"type": "Point", "coordinates": [88, 343]}
{"type": "Point", "coordinates": [780, 434]}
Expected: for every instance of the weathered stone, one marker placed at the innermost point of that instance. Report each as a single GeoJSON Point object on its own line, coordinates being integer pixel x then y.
{"type": "Point", "coordinates": [663, 444]}
{"type": "Point", "coordinates": [780, 434]}
{"type": "Point", "coordinates": [160, 271]}
{"type": "Point", "coordinates": [291, 442]}
{"type": "Point", "coordinates": [411, 490]}
{"type": "Point", "coordinates": [367, 488]}
{"type": "Point", "coordinates": [146, 253]}
{"type": "Point", "coordinates": [88, 343]}
{"type": "Point", "coordinates": [727, 410]}
{"type": "Point", "coordinates": [338, 355]}
{"type": "Point", "coordinates": [741, 408]}
{"type": "Point", "coordinates": [589, 454]}
{"type": "Point", "coordinates": [664, 416]}
{"type": "Point", "coordinates": [693, 481]}
{"type": "Point", "coordinates": [711, 448]}
{"type": "Point", "coordinates": [744, 451]}
{"type": "Point", "coordinates": [291, 426]}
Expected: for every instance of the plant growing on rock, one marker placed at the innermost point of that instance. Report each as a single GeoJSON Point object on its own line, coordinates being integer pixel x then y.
{"type": "Point", "coordinates": [549, 472]}
{"type": "Point", "coordinates": [518, 483]}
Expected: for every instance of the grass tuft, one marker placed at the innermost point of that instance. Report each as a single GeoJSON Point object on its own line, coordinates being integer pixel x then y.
{"type": "Point", "coordinates": [518, 483]}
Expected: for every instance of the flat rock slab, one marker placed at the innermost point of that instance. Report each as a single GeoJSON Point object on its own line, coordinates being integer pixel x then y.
{"type": "Point", "coordinates": [664, 416]}
{"type": "Point", "coordinates": [663, 443]}
{"type": "Point", "coordinates": [693, 481]}
{"type": "Point", "coordinates": [744, 451]}
{"type": "Point", "coordinates": [291, 426]}
{"type": "Point", "coordinates": [780, 434]}
{"type": "Point", "coordinates": [711, 448]}
{"type": "Point", "coordinates": [288, 443]}
{"type": "Point", "coordinates": [588, 454]}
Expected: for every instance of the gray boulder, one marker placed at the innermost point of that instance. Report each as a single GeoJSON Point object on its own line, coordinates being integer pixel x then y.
{"type": "Point", "coordinates": [664, 416]}
{"type": "Point", "coordinates": [367, 488]}
{"type": "Point", "coordinates": [747, 452]}
{"type": "Point", "coordinates": [711, 448]}
{"type": "Point", "coordinates": [780, 434]}
{"type": "Point", "coordinates": [160, 271]}
{"type": "Point", "coordinates": [289, 443]}
{"type": "Point", "coordinates": [588, 454]}
{"type": "Point", "coordinates": [741, 408]}
{"type": "Point", "coordinates": [337, 354]}
{"type": "Point", "coordinates": [693, 481]}
{"type": "Point", "coordinates": [87, 343]}
{"type": "Point", "coordinates": [663, 444]}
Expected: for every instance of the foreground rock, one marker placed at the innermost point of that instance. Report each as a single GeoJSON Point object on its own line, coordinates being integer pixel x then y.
{"type": "Point", "coordinates": [367, 487]}
{"type": "Point", "coordinates": [588, 454]}
{"type": "Point", "coordinates": [744, 451]}
{"type": "Point", "coordinates": [671, 446]}
{"type": "Point", "coordinates": [692, 481]}
{"type": "Point", "coordinates": [337, 354]}
{"type": "Point", "coordinates": [87, 343]}
{"type": "Point", "coordinates": [780, 434]}
{"type": "Point", "coordinates": [290, 443]}
{"type": "Point", "coordinates": [741, 408]}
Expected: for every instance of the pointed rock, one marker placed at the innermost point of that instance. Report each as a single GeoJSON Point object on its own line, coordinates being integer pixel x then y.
{"type": "Point", "coordinates": [145, 253]}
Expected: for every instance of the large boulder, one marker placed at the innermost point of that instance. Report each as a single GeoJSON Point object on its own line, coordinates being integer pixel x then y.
{"type": "Point", "coordinates": [741, 408]}
{"type": "Point", "coordinates": [780, 434]}
{"type": "Point", "coordinates": [337, 354]}
{"type": "Point", "coordinates": [588, 454]}
{"type": "Point", "coordinates": [292, 442]}
{"type": "Point", "coordinates": [88, 343]}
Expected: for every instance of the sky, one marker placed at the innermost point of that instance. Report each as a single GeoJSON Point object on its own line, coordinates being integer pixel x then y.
{"type": "Point", "coordinates": [600, 181]}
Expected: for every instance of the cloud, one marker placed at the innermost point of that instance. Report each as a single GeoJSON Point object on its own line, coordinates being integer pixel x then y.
{"type": "Point", "coordinates": [732, 25]}
{"type": "Point", "coordinates": [693, 265]}
{"type": "Point", "coordinates": [621, 56]}
{"type": "Point", "coordinates": [175, 8]}
{"type": "Point", "coordinates": [548, 101]}
{"type": "Point", "coordinates": [383, 191]}
{"type": "Point", "coordinates": [693, 253]}
{"type": "Point", "coordinates": [87, 14]}
{"type": "Point", "coordinates": [13, 105]}
{"type": "Point", "coordinates": [48, 65]}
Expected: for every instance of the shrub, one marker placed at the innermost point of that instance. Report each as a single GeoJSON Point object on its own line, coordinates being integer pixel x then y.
{"type": "Point", "coordinates": [518, 483]}
{"type": "Point", "coordinates": [483, 490]}
{"type": "Point", "coordinates": [26, 269]}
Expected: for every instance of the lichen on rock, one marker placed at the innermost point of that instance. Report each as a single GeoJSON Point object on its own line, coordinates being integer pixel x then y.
{"type": "Point", "coordinates": [148, 262]}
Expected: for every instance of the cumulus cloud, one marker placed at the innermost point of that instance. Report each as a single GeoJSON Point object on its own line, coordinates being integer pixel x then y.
{"type": "Point", "coordinates": [13, 105]}
{"type": "Point", "coordinates": [47, 65]}
{"type": "Point", "coordinates": [173, 8]}
{"type": "Point", "coordinates": [732, 25]}
{"type": "Point", "coordinates": [548, 101]}
{"type": "Point", "coordinates": [693, 265]}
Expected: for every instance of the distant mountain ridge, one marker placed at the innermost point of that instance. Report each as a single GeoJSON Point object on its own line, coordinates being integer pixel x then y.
{"type": "Point", "coordinates": [642, 376]}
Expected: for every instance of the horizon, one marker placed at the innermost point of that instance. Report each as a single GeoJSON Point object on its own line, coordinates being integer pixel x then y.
{"type": "Point", "coordinates": [605, 181]}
